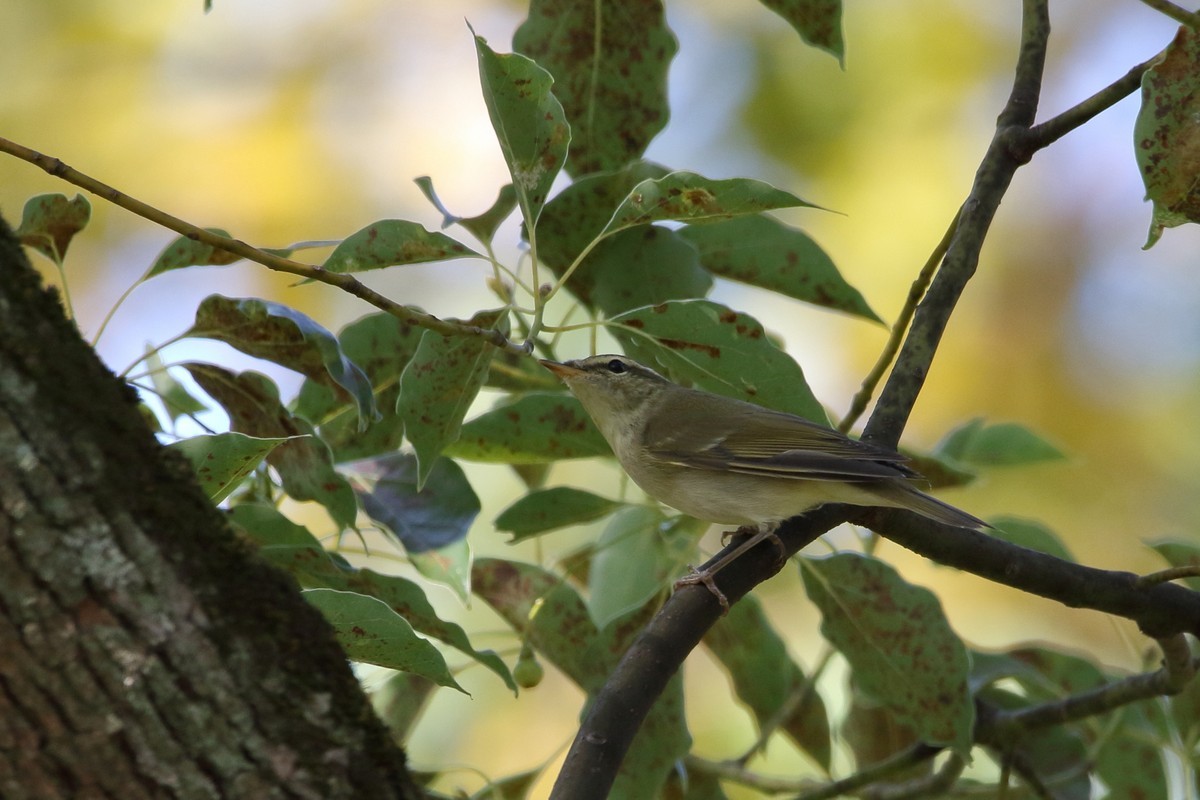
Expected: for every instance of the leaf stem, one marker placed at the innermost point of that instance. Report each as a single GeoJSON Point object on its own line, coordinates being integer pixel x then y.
{"type": "Point", "coordinates": [341, 280]}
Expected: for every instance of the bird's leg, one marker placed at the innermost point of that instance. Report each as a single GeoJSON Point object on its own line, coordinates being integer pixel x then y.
{"type": "Point", "coordinates": [755, 534]}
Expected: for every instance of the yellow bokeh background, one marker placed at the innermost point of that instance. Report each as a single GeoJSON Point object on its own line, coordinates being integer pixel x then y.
{"type": "Point", "coordinates": [301, 120]}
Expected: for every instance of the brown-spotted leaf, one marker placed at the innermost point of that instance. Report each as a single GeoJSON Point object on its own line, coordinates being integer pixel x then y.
{"type": "Point", "coordinates": [438, 385]}
{"type": "Point", "coordinates": [391, 242]}
{"type": "Point", "coordinates": [274, 332]}
{"type": "Point", "coordinates": [717, 349]}
{"type": "Point", "coordinates": [1167, 135]}
{"type": "Point", "coordinates": [535, 428]}
{"type": "Point", "coordinates": [529, 124]}
{"type": "Point", "coordinates": [304, 462]}
{"type": "Point", "coordinates": [50, 221]}
{"type": "Point", "coordinates": [819, 23]}
{"type": "Point", "coordinates": [610, 73]}
{"type": "Point", "coordinates": [900, 647]}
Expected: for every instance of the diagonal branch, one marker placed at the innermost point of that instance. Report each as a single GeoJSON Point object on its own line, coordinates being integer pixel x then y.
{"type": "Point", "coordinates": [345, 282]}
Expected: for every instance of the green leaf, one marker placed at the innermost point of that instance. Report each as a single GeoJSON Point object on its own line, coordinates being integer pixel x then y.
{"type": "Point", "coordinates": [1130, 762]}
{"type": "Point", "coordinates": [549, 509]}
{"type": "Point", "coordinates": [50, 221]}
{"type": "Point", "coordinates": [1179, 553]}
{"type": "Point", "coordinates": [1004, 444]}
{"type": "Point", "coordinates": [184, 252]}
{"type": "Point", "coordinates": [392, 242]}
{"type": "Point", "coordinates": [819, 23]}
{"type": "Point", "coordinates": [482, 227]}
{"type": "Point", "coordinates": [610, 74]}
{"type": "Point", "coordinates": [689, 197]}
{"type": "Point", "coordinates": [533, 429]}
{"type": "Point", "coordinates": [645, 265]}
{"type": "Point", "coordinates": [660, 745]}
{"type": "Point", "coordinates": [547, 612]}
{"type": "Point", "coordinates": [529, 124]}
{"type": "Point", "coordinates": [1030, 534]}
{"type": "Point", "coordinates": [1166, 135]}
{"type": "Point", "coordinates": [372, 633]}
{"type": "Point", "coordinates": [176, 399]}
{"type": "Point", "coordinates": [304, 462]}
{"type": "Point", "coordinates": [630, 565]}
{"type": "Point", "coordinates": [765, 677]}
{"type": "Point", "coordinates": [576, 216]}
{"type": "Point", "coordinates": [900, 647]}
{"type": "Point", "coordinates": [292, 548]}
{"type": "Point", "coordinates": [761, 251]}
{"type": "Point", "coordinates": [381, 345]}
{"type": "Point", "coordinates": [717, 349]}
{"type": "Point", "coordinates": [286, 337]}
{"type": "Point", "coordinates": [438, 385]}
{"type": "Point", "coordinates": [222, 460]}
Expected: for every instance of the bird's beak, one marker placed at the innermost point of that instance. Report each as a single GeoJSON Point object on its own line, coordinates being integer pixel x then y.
{"type": "Point", "coordinates": [563, 371]}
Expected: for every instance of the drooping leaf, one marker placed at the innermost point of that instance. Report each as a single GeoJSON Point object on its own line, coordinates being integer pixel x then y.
{"type": "Point", "coordinates": [546, 611]}
{"type": "Point", "coordinates": [291, 547]}
{"type": "Point", "coordinates": [1031, 534]}
{"type": "Point", "coordinates": [529, 124]}
{"type": "Point", "coordinates": [482, 227]}
{"type": "Point", "coordinates": [765, 677]}
{"type": "Point", "coordinates": [533, 429]}
{"type": "Point", "coordinates": [286, 337]}
{"type": "Point", "coordinates": [1004, 444]}
{"type": "Point", "coordinates": [381, 345]}
{"type": "Point", "coordinates": [437, 387]}
{"type": "Point", "coordinates": [304, 462]}
{"type": "Point", "coordinates": [550, 509]}
{"type": "Point", "coordinates": [819, 23]}
{"type": "Point", "coordinates": [717, 349]}
{"type": "Point", "coordinates": [438, 514]}
{"type": "Point", "coordinates": [642, 266]}
{"type": "Point", "coordinates": [901, 649]}
{"type": "Point", "coordinates": [222, 460]}
{"type": "Point", "coordinates": [371, 632]}
{"type": "Point", "coordinates": [688, 197]}
{"type": "Point", "coordinates": [393, 242]}
{"type": "Point", "coordinates": [1166, 135]}
{"type": "Point", "coordinates": [609, 72]}
{"type": "Point", "coordinates": [50, 221]}
{"type": "Point", "coordinates": [184, 252]}
{"type": "Point", "coordinates": [175, 398]}
{"type": "Point", "coordinates": [763, 252]}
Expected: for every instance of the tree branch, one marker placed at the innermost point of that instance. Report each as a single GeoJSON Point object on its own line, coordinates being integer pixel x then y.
{"type": "Point", "coordinates": [347, 283]}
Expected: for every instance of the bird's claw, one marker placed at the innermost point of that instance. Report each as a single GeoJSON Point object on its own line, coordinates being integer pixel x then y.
{"type": "Point", "coordinates": [704, 578]}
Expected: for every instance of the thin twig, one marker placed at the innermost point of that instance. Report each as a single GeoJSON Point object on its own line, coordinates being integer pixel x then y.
{"type": "Point", "coordinates": [1180, 15]}
{"type": "Point", "coordinates": [915, 292]}
{"type": "Point", "coordinates": [341, 280]}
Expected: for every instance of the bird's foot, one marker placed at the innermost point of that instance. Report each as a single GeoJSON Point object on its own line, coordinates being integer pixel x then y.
{"type": "Point", "coordinates": [697, 577]}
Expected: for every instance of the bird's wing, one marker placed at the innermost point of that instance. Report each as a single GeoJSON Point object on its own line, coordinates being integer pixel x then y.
{"type": "Point", "coordinates": [765, 443]}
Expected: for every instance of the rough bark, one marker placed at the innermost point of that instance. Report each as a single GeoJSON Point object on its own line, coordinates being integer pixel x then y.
{"type": "Point", "coordinates": [145, 652]}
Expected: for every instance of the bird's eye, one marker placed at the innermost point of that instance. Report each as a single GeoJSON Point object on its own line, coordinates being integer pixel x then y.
{"type": "Point", "coordinates": [616, 366]}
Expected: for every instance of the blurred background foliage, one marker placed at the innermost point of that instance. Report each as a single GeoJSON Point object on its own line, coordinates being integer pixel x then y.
{"type": "Point", "coordinates": [288, 121]}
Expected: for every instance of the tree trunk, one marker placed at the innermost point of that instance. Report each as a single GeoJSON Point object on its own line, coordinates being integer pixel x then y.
{"type": "Point", "coordinates": [144, 650]}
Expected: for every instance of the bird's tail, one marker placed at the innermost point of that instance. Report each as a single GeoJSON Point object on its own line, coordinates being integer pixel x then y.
{"type": "Point", "coordinates": [903, 495]}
